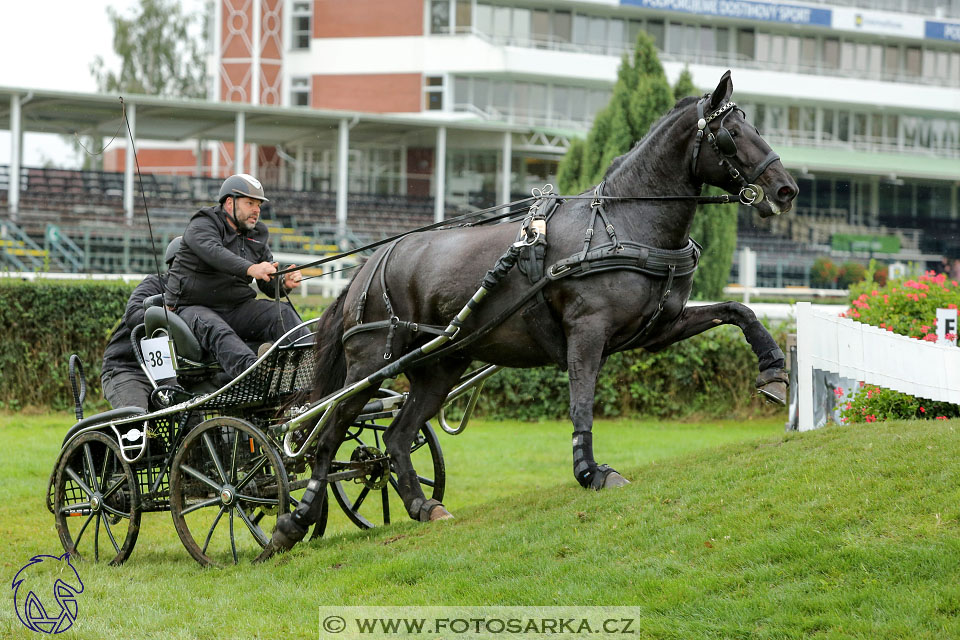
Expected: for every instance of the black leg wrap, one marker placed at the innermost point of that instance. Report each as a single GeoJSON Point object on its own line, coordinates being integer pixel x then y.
{"type": "Point", "coordinates": [584, 465]}
{"type": "Point", "coordinates": [426, 507]}
{"type": "Point", "coordinates": [599, 478]}
{"type": "Point", "coordinates": [292, 528]}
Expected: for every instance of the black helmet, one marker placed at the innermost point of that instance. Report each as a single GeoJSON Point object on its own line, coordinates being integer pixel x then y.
{"type": "Point", "coordinates": [172, 249]}
{"type": "Point", "coordinates": [241, 184]}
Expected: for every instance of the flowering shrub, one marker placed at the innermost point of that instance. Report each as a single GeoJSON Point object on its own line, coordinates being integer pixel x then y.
{"type": "Point", "coordinates": [850, 274]}
{"type": "Point", "coordinates": [875, 404]}
{"type": "Point", "coordinates": [824, 273]}
{"type": "Point", "coordinates": [908, 307]}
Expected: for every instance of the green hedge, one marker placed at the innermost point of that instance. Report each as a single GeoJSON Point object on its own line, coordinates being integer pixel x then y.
{"type": "Point", "coordinates": [45, 322]}
{"type": "Point", "coordinates": [710, 375]}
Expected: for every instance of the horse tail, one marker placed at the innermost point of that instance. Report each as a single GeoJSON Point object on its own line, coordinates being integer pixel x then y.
{"type": "Point", "coordinates": [330, 371]}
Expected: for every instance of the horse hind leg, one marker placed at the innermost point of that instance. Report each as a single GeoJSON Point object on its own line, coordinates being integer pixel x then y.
{"type": "Point", "coordinates": [772, 380]}
{"type": "Point", "coordinates": [428, 391]}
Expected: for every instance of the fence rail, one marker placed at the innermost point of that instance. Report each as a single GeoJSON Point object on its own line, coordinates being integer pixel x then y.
{"type": "Point", "coordinates": [872, 355]}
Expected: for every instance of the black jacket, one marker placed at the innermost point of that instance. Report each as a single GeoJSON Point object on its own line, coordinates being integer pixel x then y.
{"type": "Point", "coordinates": [211, 267]}
{"type": "Point", "coordinates": [119, 352]}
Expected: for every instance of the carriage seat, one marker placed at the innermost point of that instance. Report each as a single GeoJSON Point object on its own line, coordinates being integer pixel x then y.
{"type": "Point", "coordinates": [157, 319]}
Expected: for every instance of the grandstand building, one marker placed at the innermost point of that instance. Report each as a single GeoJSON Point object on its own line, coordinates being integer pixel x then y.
{"type": "Point", "coordinates": [861, 99]}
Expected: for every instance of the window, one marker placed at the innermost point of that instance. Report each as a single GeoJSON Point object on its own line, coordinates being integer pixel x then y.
{"type": "Point", "coordinates": [562, 26]}
{"type": "Point", "coordinates": [826, 129]}
{"type": "Point", "coordinates": [501, 22]}
{"type": "Point", "coordinates": [912, 63]}
{"type": "Point", "coordinates": [481, 93]}
{"type": "Point", "coordinates": [484, 22]}
{"type": "Point", "coordinates": [723, 43]}
{"type": "Point", "coordinates": [616, 35]}
{"type": "Point", "coordinates": [520, 30]}
{"type": "Point", "coordinates": [745, 44]}
{"type": "Point", "coordinates": [433, 93]}
{"type": "Point", "coordinates": [581, 26]}
{"type": "Point", "coordinates": [300, 25]}
{"type": "Point", "coordinates": [708, 41]}
{"type": "Point", "coordinates": [540, 27]}
{"type": "Point", "coordinates": [561, 103]}
{"type": "Point", "coordinates": [831, 53]}
{"type": "Point", "coordinates": [655, 30]}
{"type": "Point", "coordinates": [300, 92]}
{"type": "Point", "coordinates": [808, 53]}
{"type": "Point", "coordinates": [461, 91]}
{"type": "Point", "coordinates": [464, 15]}
{"type": "Point", "coordinates": [791, 52]}
{"type": "Point", "coordinates": [891, 62]}
{"type": "Point", "coordinates": [440, 16]}
{"type": "Point", "coordinates": [675, 37]}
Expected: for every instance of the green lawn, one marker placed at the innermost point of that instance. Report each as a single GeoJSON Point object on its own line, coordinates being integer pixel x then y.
{"type": "Point", "coordinates": [729, 530]}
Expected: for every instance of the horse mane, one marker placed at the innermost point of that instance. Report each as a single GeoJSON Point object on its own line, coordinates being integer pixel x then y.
{"type": "Point", "coordinates": [680, 104]}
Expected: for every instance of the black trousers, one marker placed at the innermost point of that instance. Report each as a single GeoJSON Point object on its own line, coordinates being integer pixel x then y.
{"type": "Point", "coordinates": [123, 387]}
{"type": "Point", "coordinates": [225, 332]}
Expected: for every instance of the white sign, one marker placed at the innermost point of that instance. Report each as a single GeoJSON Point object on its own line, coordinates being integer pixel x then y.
{"type": "Point", "coordinates": [947, 325]}
{"type": "Point", "coordinates": [158, 356]}
{"type": "Point", "coordinates": [887, 23]}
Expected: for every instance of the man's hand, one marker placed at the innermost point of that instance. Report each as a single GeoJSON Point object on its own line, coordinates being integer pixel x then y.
{"type": "Point", "coordinates": [292, 279]}
{"type": "Point", "coordinates": [262, 270]}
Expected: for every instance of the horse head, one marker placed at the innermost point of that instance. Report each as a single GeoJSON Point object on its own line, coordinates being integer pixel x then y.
{"type": "Point", "coordinates": [728, 152]}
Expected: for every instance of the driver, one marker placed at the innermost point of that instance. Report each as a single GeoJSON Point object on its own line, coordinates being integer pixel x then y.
{"type": "Point", "coordinates": [225, 248]}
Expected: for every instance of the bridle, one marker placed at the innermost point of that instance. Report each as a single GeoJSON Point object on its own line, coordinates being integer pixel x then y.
{"type": "Point", "coordinates": [726, 149]}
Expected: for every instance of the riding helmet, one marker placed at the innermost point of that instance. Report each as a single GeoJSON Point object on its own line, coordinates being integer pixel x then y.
{"type": "Point", "coordinates": [172, 249]}
{"type": "Point", "coordinates": [241, 184]}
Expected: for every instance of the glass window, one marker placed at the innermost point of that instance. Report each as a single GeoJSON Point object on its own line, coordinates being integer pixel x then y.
{"type": "Point", "coordinates": [791, 51]}
{"type": "Point", "coordinates": [943, 65]}
{"type": "Point", "coordinates": [598, 100]}
{"type": "Point", "coordinates": [955, 69]}
{"type": "Point", "coordinates": [891, 131]}
{"type": "Point", "coordinates": [634, 27]}
{"type": "Point", "coordinates": [912, 65]}
{"type": "Point", "coordinates": [300, 92]}
{"type": "Point", "coordinates": [905, 200]}
{"type": "Point", "coordinates": [758, 117]}
{"type": "Point", "coordinates": [461, 91]}
{"type": "Point", "coordinates": [826, 130]}
{"type": "Point", "coordinates": [562, 26]}
{"type": "Point", "coordinates": [464, 15]}
{"type": "Point", "coordinates": [876, 59]}
{"type": "Point", "coordinates": [598, 31]}
{"type": "Point", "coordinates": [876, 128]}
{"type": "Point", "coordinates": [745, 44]}
{"type": "Point", "coordinates": [929, 64]}
{"type": "Point", "coordinates": [862, 62]}
{"type": "Point", "coordinates": [561, 103]}
{"type": "Point", "coordinates": [439, 16]}
{"type": "Point", "coordinates": [691, 44]}
{"type": "Point", "coordinates": [776, 49]}
{"type": "Point", "coordinates": [578, 104]}
{"type": "Point", "coordinates": [481, 93]}
{"type": "Point", "coordinates": [616, 35]}
{"type": "Point", "coordinates": [655, 30]}
{"type": "Point", "coordinates": [843, 125]}
{"type": "Point", "coordinates": [848, 58]}
{"type": "Point", "coordinates": [540, 26]}
{"type": "Point", "coordinates": [763, 47]}
{"type": "Point", "coordinates": [581, 29]}
{"type": "Point", "coordinates": [521, 98]}
{"type": "Point", "coordinates": [300, 22]}
{"type": "Point", "coordinates": [891, 62]}
{"type": "Point", "coordinates": [793, 119]}
{"type": "Point", "coordinates": [831, 53]}
{"type": "Point", "coordinates": [501, 22]}
{"type": "Point", "coordinates": [521, 24]}
{"type": "Point", "coordinates": [808, 122]}
{"type": "Point", "coordinates": [808, 53]}
{"type": "Point", "coordinates": [434, 93]}
{"type": "Point", "coordinates": [824, 193]}
{"type": "Point", "coordinates": [708, 41]}
{"type": "Point", "coordinates": [776, 119]}
{"type": "Point", "coordinates": [501, 96]}
{"type": "Point", "coordinates": [859, 126]}
{"type": "Point", "coordinates": [723, 43]}
{"type": "Point", "coordinates": [675, 37]}
{"type": "Point", "coordinates": [538, 99]}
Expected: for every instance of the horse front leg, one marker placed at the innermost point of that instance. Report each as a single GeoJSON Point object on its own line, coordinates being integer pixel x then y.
{"type": "Point", "coordinates": [584, 359]}
{"type": "Point", "coordinates": [772, 381]}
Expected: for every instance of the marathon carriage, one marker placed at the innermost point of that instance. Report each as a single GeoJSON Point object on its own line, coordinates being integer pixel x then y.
{"type": "Point", "coordinates": [214, 457]}
{"type": "Point", "coordinates": [259, 453]}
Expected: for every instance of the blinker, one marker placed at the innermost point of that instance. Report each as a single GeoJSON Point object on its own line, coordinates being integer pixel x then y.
{"type": "Point", "coordinates": [725, 142]}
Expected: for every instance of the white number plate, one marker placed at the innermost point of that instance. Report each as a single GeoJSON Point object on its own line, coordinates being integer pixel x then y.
{"type": "Point", "coordinates": [158, 356]}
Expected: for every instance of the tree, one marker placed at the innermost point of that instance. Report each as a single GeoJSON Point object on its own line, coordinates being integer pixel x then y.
{"type": "Point", "coordinates": [161, 48]}
{"type": "Point", "coordinates": [641, 95]}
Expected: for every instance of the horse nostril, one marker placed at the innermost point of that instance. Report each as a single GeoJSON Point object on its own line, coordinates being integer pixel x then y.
{"type": "Point", "coordinates": [787, 193]}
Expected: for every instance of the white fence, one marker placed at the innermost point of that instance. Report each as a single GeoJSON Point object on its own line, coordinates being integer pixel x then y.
{"type": "Point", "coordinates": [872, 355]}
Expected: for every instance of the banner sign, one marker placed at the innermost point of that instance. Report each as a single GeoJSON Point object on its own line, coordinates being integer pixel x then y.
{"type": "Point", "coordinates": [943, 31]}
{"type": "Point", "coordinates": [882, 22]}
{"type": "Point", "coordinates": [745, 9]}
{"type": "Point", "coordinates": [873, 244]}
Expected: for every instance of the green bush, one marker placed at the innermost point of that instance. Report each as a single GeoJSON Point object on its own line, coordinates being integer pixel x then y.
{"type": "Point", "coordinates": [47, 321]}
{"type": "Point", "coordinates": [824, 273]}
{"type": "Point", "coordinates": [876, 404]}
{"type": "Point", "coordinates": [709, 375]}
{"type": "Point", "coordinates": [850, 273]}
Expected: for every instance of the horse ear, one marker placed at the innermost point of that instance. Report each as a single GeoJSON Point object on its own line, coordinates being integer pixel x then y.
{"type": "Point", "coordinates": [722, 92]}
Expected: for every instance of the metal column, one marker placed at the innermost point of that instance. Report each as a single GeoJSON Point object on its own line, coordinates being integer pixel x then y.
{"type": "Point", "coordinates": [440, 175]}
{"type": "Point", "coordinates": [505, 171]}
{"type": "Point", "coordinates": [16, 123]}
{"type": "Point", "coordinates": [343, 157]}
{"type": "Point", "coordinates": [238, 142]}
{"type": "Point", "coordinates": [129, 164]}
{"type": "Point", "coordinates": [298, 169]}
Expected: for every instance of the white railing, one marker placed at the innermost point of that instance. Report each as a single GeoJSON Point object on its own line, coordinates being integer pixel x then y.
{"type": "Point", "coordinates": [872, 355]}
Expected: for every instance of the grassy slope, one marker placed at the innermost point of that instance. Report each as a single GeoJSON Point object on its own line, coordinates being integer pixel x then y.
{"type": "Point", "coordinates": [845, 532]}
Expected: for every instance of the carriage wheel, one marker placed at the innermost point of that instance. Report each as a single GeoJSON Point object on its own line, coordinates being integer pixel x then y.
{"type": "Point", "coordinates": [96, 500]}
{"type": "Point", "coordinates": [374, 500]}
{"type": "Point", "coordinates": [227, 488]}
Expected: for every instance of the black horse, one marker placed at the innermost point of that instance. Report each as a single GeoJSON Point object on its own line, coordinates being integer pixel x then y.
{"type": "Point", "coordinates": [633, 273]}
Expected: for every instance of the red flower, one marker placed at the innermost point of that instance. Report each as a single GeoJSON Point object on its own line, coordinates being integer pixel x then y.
{"type": "Point", "coordinates": [922, 410]}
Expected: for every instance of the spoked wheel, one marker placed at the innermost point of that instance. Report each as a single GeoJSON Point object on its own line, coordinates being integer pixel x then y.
{"type": "Point", "coordinates": [227, 489]}
{"type": "Point", "coordinates": [373, 500]}
{"type": "Point", "coordinates": [96, 500]}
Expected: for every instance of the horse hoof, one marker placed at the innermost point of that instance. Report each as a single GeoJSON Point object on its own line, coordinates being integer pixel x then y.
{"type": "Point", "coordinates": [614, 480]}
{"type": "Point", "coordinates": [774, 392]}
{"type": "Point", "coordinates": [440, 513]}
{"type": "Point", "coordinates": [285, 535]}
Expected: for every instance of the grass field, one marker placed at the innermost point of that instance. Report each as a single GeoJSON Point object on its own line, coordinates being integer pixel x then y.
{"type": "Point", "coordinates": [729, 530]}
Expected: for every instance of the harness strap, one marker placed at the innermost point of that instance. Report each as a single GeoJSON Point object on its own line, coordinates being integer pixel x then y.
{"type": "Point", "coordinates": [392, 323]}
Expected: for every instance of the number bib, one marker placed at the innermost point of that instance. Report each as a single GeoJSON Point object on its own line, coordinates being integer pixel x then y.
{"type": "Point", "coordinates": [158, 356]}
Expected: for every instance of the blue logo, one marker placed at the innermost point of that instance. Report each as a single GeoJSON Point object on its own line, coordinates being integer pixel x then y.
{"type": "Point", "coordinates": [45, 593]}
